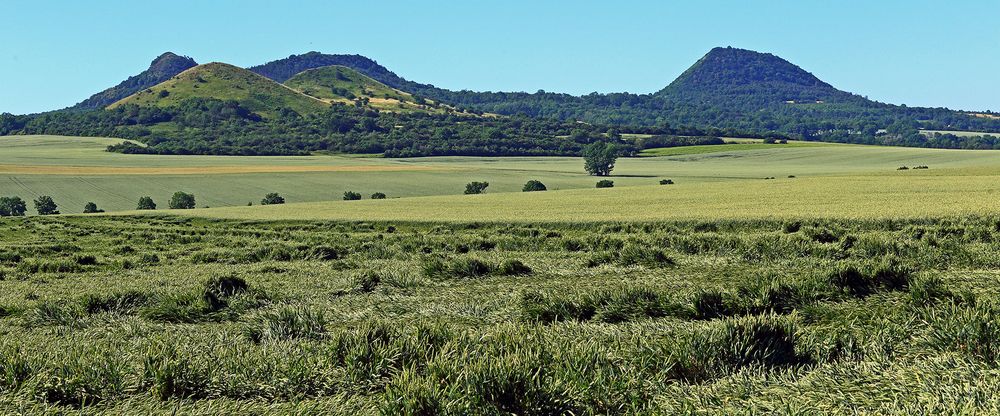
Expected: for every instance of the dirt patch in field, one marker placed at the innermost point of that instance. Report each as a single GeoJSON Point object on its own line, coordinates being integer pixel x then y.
{"type": "Point", "coordinates": [199, 170]}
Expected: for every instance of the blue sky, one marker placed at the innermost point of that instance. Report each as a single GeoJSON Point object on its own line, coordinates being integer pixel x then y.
{"type": "Point", "coordinates": [56, 53]}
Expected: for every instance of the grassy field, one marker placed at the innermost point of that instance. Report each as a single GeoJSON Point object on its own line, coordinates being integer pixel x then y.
{"type": "Point", "coordinates": [138, 316]}
{"type": "Point", "coordinates": [77, 170]}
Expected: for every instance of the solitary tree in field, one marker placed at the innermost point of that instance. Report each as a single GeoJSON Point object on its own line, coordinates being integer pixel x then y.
{"type": "Point", "coordinates": [182, 200]}
{"type": "Point", "coordinates": [351, 196]}
{"type": "Point", "coordinates": [272, 199]}
{"type": "Point", "coordinates": [146, 203]}
{"type": "Point", "coordinates": [12, 206]}
{"type": "Point", "coordinates": [46, 206]}
{"type": "Point", "coordinates": [533, 186]}
{"type": "Point", "coordinates": [473, 188]}
{"type": "Point", "coordinates": [378, 195]}
{"type": "Point", "coordinates": [91, 208]}
{"type": "Point", "coordinates": [599, 158]}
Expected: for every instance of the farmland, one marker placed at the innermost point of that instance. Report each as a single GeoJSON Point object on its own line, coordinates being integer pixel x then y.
{"type": "Point", "coordinates": [78, 170]}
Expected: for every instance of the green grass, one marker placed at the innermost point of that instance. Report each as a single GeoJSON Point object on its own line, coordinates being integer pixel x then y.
{"type": "Point", "coordinates": [196, 316]}
{"type": "Point", "coordinates": [226, 82]}
{"type": "Point", "coordinates": [75, 171]}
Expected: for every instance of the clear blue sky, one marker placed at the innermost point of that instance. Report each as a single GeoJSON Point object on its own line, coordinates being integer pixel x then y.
{"type": "Point", "coordinates": [928, 53]}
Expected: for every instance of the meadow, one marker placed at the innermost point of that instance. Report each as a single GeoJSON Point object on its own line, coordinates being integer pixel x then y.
{"type": "Point", "coordinates": [167, 315]}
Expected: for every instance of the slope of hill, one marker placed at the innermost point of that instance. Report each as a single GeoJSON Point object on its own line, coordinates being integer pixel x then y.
{"type": "Point", "coordinates": [226, 82]}
{"type": "Point", "coordinates": [345, 85]}
{"type": "Point", "coordinates": [161, 69]}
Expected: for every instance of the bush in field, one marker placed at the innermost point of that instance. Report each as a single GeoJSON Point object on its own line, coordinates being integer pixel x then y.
{"type": "Point", "coordinates": [287, 323]}
{"type": "Point", "coordinates": [182, 200]}
{"type": "Point", "coordinates": [12, 206]}
{"type": "Point", "coordinates": [378, 195]}
{"type": "Point", "coordinates": [513, 267]}
{"type": "Point", "coordinates": [473, 188]}
{"type": "Point", "coordinates": [605, 183]}
{"type": "Point", "coordinates": [272, 199]}
{"type": "Point", "coordinates": [146, 203]}
{"type": "Point", "coordinates": [351, 196]}
{"type": "Point", "coordinates": [91, 208]}
{"type": "Point", "coordinates": [533, 186]}
{"type": "Point", "coordinates": [218, 290]}
{"type": "Point", "coordinates": [666, 181]}
{"type": "Point", "coordinates": [46, 206]}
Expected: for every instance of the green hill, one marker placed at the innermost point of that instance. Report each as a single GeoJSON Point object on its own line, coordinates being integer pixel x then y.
{"type": "Point", "coordinates": [342, 84]}
{"type": "Point", "coordinates": [226, 82]}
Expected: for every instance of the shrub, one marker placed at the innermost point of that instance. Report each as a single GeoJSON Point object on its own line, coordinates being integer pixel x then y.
{"type": "Point", "coordinates": [351, 196]}
{"type": "Point", "coordinates": [461, 267]}
{"type": "Point", "coordinates": [367, 281]}
{"type": "Point", "coordinates": [512, 267]}
{"type": "Point", "coordinates": [85, 260]}
{"type": "Point", "coordinates": [545, 308]}
{"type": "Point", "coordinates": [712, 304]}
{"type": "Point", "coordinates": [605, 183]}
{"type": "Point", "coordinates": [472, 188]}
{"type": "Point", "coordinates": [218, 290]}
{"type": "Point", "coordinates": [632, 304]}
{"type": "Point", "coordinates": [55, 313]}
{"type": "Point", "coordinates": [182, 200]}
{"type": "Point", "coordinates": [146, 203]}
{"type": "Point", "coordinates": [666, 181]}
{"type": "Point", "coordinates": [792, 227]}
{"type": "Point", "coordinates": [633, 254]}
{"type": "Point", "coordinates": [863, 281]}
{"type": "Point", "coordinates": [125, 302]}
{"type": "Point", "coordinates": [272, 199]}
{"type": "Point", "coordinates": [287, 323]}
{"type": "Point", "coordinates": [533, 186]}
{"type": "Point", "coordinates": [46, 206]}
{"type": "Point", "coordinates": [12, 206]}
{"type": "Point", "coordinates": [766, 341]}
{"type": "Point", "coordinates": [324, 253]}
{"type": "Point", "coordinates": [91, 208]}
{"type": "Point", "coordinates": [378, 195]}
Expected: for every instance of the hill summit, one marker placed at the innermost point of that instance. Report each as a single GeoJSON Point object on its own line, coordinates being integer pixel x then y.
{"type": "Point", "coordinates": [730, 73]}
{"type": "Point", "coordinates": [161, 69]}
{"type": "Point", "coordinates": [226, 82]}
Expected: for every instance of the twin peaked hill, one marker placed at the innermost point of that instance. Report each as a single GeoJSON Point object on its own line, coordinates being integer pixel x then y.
{"type": "Point", "coordinates": [309, 92]}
